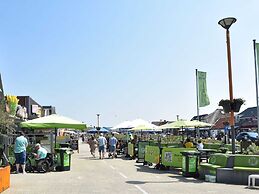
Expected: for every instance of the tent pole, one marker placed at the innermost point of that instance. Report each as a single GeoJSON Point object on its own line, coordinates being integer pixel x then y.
{"type": "Point", "coordinates": [55, 137]}
{"type": "Point", "coordinates": [182, 134]}
{"type": "Point", "coordinates": [51, 142]}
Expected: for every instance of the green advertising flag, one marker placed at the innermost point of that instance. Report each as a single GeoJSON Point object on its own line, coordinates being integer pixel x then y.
{"type": "Point", "coordinates": [203, 96]}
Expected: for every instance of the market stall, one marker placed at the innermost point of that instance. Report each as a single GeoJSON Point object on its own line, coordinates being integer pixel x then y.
{"type": "Point", "coordinates": [55, 122]}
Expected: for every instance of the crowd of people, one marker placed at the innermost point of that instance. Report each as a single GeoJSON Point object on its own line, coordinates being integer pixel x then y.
{"type": "Point", "coordinates": [104, 144]}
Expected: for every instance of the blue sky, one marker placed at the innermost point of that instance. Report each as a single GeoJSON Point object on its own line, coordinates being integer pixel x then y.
{"type": "Point", "coordinates": [125, 59]}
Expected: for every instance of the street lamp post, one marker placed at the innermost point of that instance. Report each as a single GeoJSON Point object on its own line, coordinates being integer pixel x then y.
{"type": "Point", "coordinates": [226, 24]}
{"type": "Point", "coordinates": [98, 122]}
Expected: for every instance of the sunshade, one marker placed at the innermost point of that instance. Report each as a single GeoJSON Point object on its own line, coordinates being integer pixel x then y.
{"type": "Point", "coordinates": [200, 124]}
{"type": "Point", "coordinates": [184, 124]}
{"type": "Point", "coordinates": [146, 127]}
{"type": "Point", "coordinates": [177, 124]}
{"type": "Point", "coordinates": [53, 121]}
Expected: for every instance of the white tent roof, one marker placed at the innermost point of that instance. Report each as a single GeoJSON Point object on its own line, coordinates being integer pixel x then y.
{"type": "Point", "coordinates": [132, 124]}
{"type": "Point", "coordinates": [138, 122]}
{"type": "Point", "coordinates": [123, 125]}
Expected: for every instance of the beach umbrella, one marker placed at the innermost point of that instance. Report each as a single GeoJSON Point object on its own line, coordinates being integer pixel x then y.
{"type": "Point", "coordinates": [177, 125]}
{"type": "Point", "coordinates": [180, 124]}
{"type": "Point", "coordinates": [185, 124]}
{"type": "Point", "coordinates": [200, 124]}
{"type": "Point", "coordinates": [147, 126]}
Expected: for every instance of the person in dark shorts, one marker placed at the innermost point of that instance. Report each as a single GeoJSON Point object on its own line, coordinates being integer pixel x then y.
{"type": "Point", "coordinates": [20, 151]}
{"type": "Point", "coordinates": [113, 143]}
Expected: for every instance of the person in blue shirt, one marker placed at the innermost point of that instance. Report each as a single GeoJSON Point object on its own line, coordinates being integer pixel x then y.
{"type": "Point", "coordinates": [41, 152]}
{"type": "Point", "coordinates": [20, 151]}
{"type": "Point", "coordinates": [112, 143]}
{"type": "Point", "coordinates": [101, 144]}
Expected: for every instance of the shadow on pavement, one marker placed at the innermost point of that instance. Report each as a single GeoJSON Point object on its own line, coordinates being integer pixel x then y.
{"type": "Point", "coordinates": [88, 158]}
{"type": "Point", "coordinates": [175, 174]}
{"type": "Point", "coordinates": [146, 182]}
{"type": "Point", "coordinates": [183, 179]}
{"type": "Point", "coordinates": [252, 188]}
{"type": "Point", "coordinates": [123, 157]}
{"type": "Point", "coordinates": [147, 169]}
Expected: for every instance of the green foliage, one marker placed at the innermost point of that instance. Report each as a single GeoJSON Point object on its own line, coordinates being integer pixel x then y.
{"type": "Point", "coordinates": [7, 124]}
{"type": "Point", "coordinates": [171, 139]}
{"type": "Point", "coordinates": [253, 149]}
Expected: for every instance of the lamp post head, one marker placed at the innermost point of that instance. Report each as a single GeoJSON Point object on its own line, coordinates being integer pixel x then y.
{"type": "Point", "coordinates": [227, 22]}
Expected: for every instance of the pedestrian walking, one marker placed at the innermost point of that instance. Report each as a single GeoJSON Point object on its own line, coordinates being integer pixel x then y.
{"type": "Point", "coordinates": [102, 144]}
{"type": "Point", "coordinates": [112, 143]}
{"type": "Point", "coordinates": [108, 143]}
{"type": "Point", "coordinates": [93, 145]}
{"type": "Point", "coordinates": [20, 146]}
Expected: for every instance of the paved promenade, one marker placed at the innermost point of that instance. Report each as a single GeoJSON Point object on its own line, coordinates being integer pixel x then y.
{"type": "Point", "coordinates": [90, 175]}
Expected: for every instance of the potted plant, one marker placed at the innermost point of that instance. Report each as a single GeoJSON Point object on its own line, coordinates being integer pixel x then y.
{"type": "Point", "coordinates": [226, 104]}
{"type": "Point", "coordinates": [237, 103]}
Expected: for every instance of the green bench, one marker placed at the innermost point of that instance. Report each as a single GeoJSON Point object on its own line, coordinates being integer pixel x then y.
{"type": "Point", "coordinates": [246, 163]}
{"type": "Point", "coordinates": [243, 166]}
{"type": "Point", "coordinates": [214, 146]}
{"type": "Point", "coordinates": [217, 160]}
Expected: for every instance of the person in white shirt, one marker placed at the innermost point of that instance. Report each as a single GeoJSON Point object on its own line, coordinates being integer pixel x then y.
{"type": "Point", "coordinates": [101, 144]}
{"type": "Point", "coordinates": [199, 145]}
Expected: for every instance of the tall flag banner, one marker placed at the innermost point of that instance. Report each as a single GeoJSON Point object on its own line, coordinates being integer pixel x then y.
{"type": "Point", "coordinates": [202, 89]}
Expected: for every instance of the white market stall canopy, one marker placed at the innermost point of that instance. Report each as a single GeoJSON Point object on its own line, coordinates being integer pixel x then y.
{"type": "Point", "coordinates": [123, 125]}
{"type": "Point", "coordinates": [135, 123]}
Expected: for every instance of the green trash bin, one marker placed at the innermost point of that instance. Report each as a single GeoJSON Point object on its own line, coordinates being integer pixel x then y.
{"type": "Point", "coordinates": [63, 160]}
{"type": "Point", "coordinates": [64, 145]}
{"type": "Point", "coordinates": [190, 163]}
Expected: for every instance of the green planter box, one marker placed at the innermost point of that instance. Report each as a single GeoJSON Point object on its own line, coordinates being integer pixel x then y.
{"type": "Point", "coordinates": [152, 154]}
{"type": "Point", "coordinates": [173, 157]}
{"type": "Point", "coordinates": [141, 149]}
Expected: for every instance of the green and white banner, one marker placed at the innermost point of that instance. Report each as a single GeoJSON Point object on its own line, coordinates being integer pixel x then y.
{"type": "Point", "coordinates": [202, 89]}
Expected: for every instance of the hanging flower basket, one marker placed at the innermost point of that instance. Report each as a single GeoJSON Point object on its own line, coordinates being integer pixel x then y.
{"type": "Point", "coordinates": [237, 103]}
{"type": "Point", "coordinates": [226, 104]}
